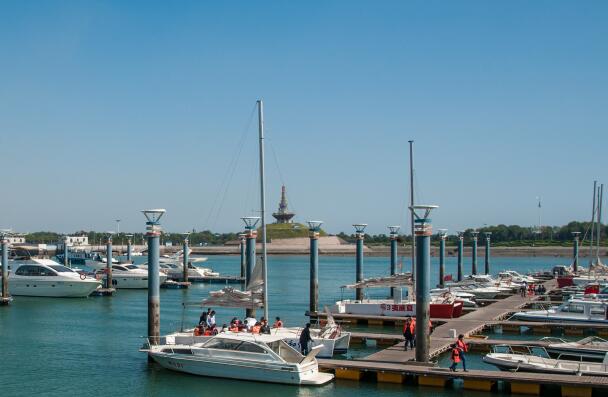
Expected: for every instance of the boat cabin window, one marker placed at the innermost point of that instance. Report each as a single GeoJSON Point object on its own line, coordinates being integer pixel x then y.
{"type": "Point", "coordinates": [573, 308]}
{"type": "Point", "coordinates": [132, 267]}
{"type": "Point", "coordinates": [223, 344]}
{"type": "Point", "coordinates": [251, 348]}
{"type": "Point", "coordinates": [115, 267]}
{"type": "Point", "coordinates": [61, 269]}
{"type": "Point", "coordinates": [597, 310]}
{"type": "Point", "coordinates": [31, 270]}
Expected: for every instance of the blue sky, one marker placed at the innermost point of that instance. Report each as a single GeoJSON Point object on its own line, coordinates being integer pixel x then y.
{"type": "Point", "coordinates": [110, 107]}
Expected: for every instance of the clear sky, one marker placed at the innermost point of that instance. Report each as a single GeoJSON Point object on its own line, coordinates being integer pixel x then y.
{"type": "Point", "coordinates": [109, 107]}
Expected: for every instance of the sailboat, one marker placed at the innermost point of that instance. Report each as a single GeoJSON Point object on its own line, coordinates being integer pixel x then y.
{"type": "Point", "coordinates": [240, 355]}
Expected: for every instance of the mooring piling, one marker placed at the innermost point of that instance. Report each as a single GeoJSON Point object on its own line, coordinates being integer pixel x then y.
{"type": "Point", "coordinates": [5, 293]}
{"type": "Point", "coordinates": [575, 246]}
{"type": "Point", "coordinates": [314, 227]}
{"type": "Point", "coordinates": [242, 246]}
{"type": "Point", "coordinates": [185, 258]}
{"type": "Point", "coordinates": [460, 255]}
{"type": "Point", "coordinates": [66, 252]}
{"type": "Point", "coordinates": [109, 261]}
{"type": "Point", "coordinates": [129, 248]}
{"type": "Point", "coordinates": [251, 235]}
{"type": "Point", "coordinates": [442, 236]}
{"type": "Point", "coordinates": [360, 236]}
{"type": "Point", "coordinates": [153, 230]}
{"type": "Point", "coordinates": [423, 232]}
{"type": "Point", "coordinates": [474, 234]}
{"type": "Point", "coordinates": [487, 256]}
{"type": "Point", "coordinates": [393, 236]}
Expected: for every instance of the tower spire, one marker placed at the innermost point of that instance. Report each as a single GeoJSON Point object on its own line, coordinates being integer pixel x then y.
{"type": "Point", "coordinates": [283, 215]}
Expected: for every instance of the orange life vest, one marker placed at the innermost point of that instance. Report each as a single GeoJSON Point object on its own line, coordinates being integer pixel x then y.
{"type": "Point", "coordinates": [456, 355]}
{"type": "Point", "coordinates": [278, 324]}
{"type": "Point", "coordinates": [234, 328]}
{"type": "Point", "coordinates": [462, 345]}
{"type": "Point", "coordinates": [197, 331]}
{"type": "Point", "coordinates": [255, 329]}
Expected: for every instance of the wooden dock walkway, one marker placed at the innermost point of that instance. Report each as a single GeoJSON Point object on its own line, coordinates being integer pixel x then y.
{"type": "Point", "coordinates": [468, 324]}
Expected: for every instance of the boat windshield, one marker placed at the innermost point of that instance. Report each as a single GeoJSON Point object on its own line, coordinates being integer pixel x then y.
{"type": "Point", "coordinates": [132, 267]}
{"type": "Point", "coordinates": [61, 269]}
{"type": "Point", "coordinates": [286, 352]}
{"type": "Point", "coordinates": [233, 344]}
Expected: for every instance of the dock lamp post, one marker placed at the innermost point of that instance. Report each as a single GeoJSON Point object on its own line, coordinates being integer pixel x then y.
{"type": "Point", "coordinates": [393, 236]}
{"type": "Point", "coordinates": [360, 235]}
{"type": "Point", "coordinates": [242, 244]}
{"type": "Point", "coordinates": [460, 255]}
{"type": "Point", "coordinates": [66, 252]}
{"type": "Point", "coordinates": [251, 235]}
{"type": "Point", "coordinates": [423, 232]}
{"type": "Point", "coordinates": [474, 234]}
{"type": "Point", "coordinates": [487, 257]}
{"type": "Point", "coordinates": [109, 260]}
{"type": "Point", "coordinates": [153, 234]}
{"type": "Point", "coordinates": [314, 227]}
{"type": "Point", "coordinates": [129, 247]}
{"type": "Point", "coordinates": [575, 262]}
{"type": "Point", "coordinates": [185, 258]}
{"type": "Point", "coordinates": [4, 242]}
{"type": "Point", "coordinates": [443, 234]}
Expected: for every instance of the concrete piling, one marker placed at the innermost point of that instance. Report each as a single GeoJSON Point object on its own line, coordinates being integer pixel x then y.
{"type": "Point", "coordinates": [251, 235]}
{"type": "Point", "coordinates": [109, 262]}
{"type": "Point", "coordinates": [442, 237]}
{"type": "Point", "coordinates": [185, 259]}
{"type": "Point", "coordinates": [360, 236]}
{"type": "Point", "coordinates": [460, 255]}
{"type": "Point", "coordinates": [66, 252]}
{"type": "Point", "coordinates": [242, 245]}
{"type": "Point", "coordinates": [487, 256]}
{"type": "Point", "coordinates": [153, 234]}
{"type": "Point", "coordinates": [575, 246]}
{"type": "Point", "coordinates": [474, 253]}
{"type": "Point", "coordinates": [314, 227]}
{"type": "Point", "coordinates": [129, 248]}
{"type": "Point", "coordinates": [394, 230]}
{"type": "Point", "coordinates": [5, 293]}
{"type": "Point", "coordinates": [423, 232]}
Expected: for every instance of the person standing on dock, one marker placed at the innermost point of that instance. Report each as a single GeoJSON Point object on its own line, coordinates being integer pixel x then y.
{"type": "Point", "coordinates": [409, 332]}
{"type": "Point", "coordinates": [455, 357]}
{"type": "Point", "coordinates": [463, 348]}
{"type": "Point", "coordinates": [305, 339]}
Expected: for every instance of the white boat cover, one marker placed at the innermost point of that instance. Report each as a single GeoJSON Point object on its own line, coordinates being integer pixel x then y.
{"type": "Point", "coordinates": [396, 280]}
{"type": "Point", "coordinates": [251, 298]}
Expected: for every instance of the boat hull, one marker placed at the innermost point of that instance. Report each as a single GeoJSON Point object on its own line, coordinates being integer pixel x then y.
{"type": "Point", "coordinates": [251, 371]}
{"type": "Point", "coordinates": [54, 288]}
{"type": "Point", "coordinates": [381, 308]}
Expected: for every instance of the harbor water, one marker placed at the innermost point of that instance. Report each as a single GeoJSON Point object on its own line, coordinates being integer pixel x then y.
{"type": "Point", "coordinates": [78, 347]}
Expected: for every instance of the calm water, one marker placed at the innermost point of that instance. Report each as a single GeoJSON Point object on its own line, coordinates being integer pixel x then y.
{"type": "Point", "coordinates": [69, 347]}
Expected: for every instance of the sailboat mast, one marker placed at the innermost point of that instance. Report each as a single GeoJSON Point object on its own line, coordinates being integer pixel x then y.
{"type": "Point", "coordinates": [263, 205]}
{"type": "Point", "coordinates": [600, 194]}
{"type": "Point", "coordinates": [592, 223]}
{"type": "Point", "coordinates": [412, 211]}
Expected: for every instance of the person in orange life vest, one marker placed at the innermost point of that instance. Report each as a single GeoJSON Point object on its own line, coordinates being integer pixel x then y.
{"type": "Point", "coordinates": [455, 357]}
{"type": "Point", "coordinates": [462, 346]}
{"type": "Point", "coordinates": [256, 328]}
{"type": "Point", "coordinates": [278, 323]}
{"type": "Point", "coordinates": [409, 329]}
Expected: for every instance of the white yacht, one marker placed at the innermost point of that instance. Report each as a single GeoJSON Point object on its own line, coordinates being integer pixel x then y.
{"type": "Point", "coordinates": [129, 277]}
{"type": "Point", "coordinates": [178, 257]}
{"type": "Point", "coordinates": [591, 348]}
{"type": "Point", "coordinates": [262, 358]}
{"type": "Point", "coordinates": [99, 262]}
{"type": "Point", "coordinates": [45, 277]}
{"type": "Point", "coordinates": [516, 277]}
{"type": "Point", "coordinates": [575, 310]}
{"type": "Point", "coordinates": [176, 271]}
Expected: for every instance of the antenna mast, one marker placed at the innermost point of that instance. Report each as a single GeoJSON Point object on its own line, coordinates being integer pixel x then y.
{"type": "Point", "coordinates": [412, 212]}
{"type": "Point", "coordinates": [263, 205]}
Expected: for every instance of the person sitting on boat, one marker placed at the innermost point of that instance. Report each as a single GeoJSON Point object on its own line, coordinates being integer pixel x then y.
{"type": "Point", "coordinates": [199, 330]}
{"type": "Point", "coordinates": [249, 323]}
{"type": "Point", "coordinates": [256, 328]}
{"type": "Point", "coordinates": [278, 323]}
{"type": "Point", "coordinates": [211, 319]}
{"type": "Point", "coordinates": [305, 339]}
{"type": "Point", "coordinates": [462, 346]}
{"type": "Point", "coordinates": [265, 328]}
{"type": "Point", "coordinates": [204, 315]}
{"type": "Point", "coordinates": [234, 325]}
{"type": "Point", "coordinates": [224, 328]}
{"type": "Point", "coordinates": [455, 357]}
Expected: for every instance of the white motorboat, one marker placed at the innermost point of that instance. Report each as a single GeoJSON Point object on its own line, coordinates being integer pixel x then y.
{"type": "Point", "coordinates": [532, 363]}
{"type": "Point", "coordinates": [467, 299]}
{"type": "Point", "coordinates": [516, 277]}
{"type": "Point", "coordinates": [178, 257]}
{"type": "Point", "coordinates": [129, 277]}
{"type": "Point", "coordinates": [45, 277]}
{"type": "Point", "coordinates": [176, 271]}
{"type": "Point", "coordinates": [263, 358]}
{"type": "Point", "coordinates": [592, 348]}
{"type": "Point", "coordinates": [575, 310]}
